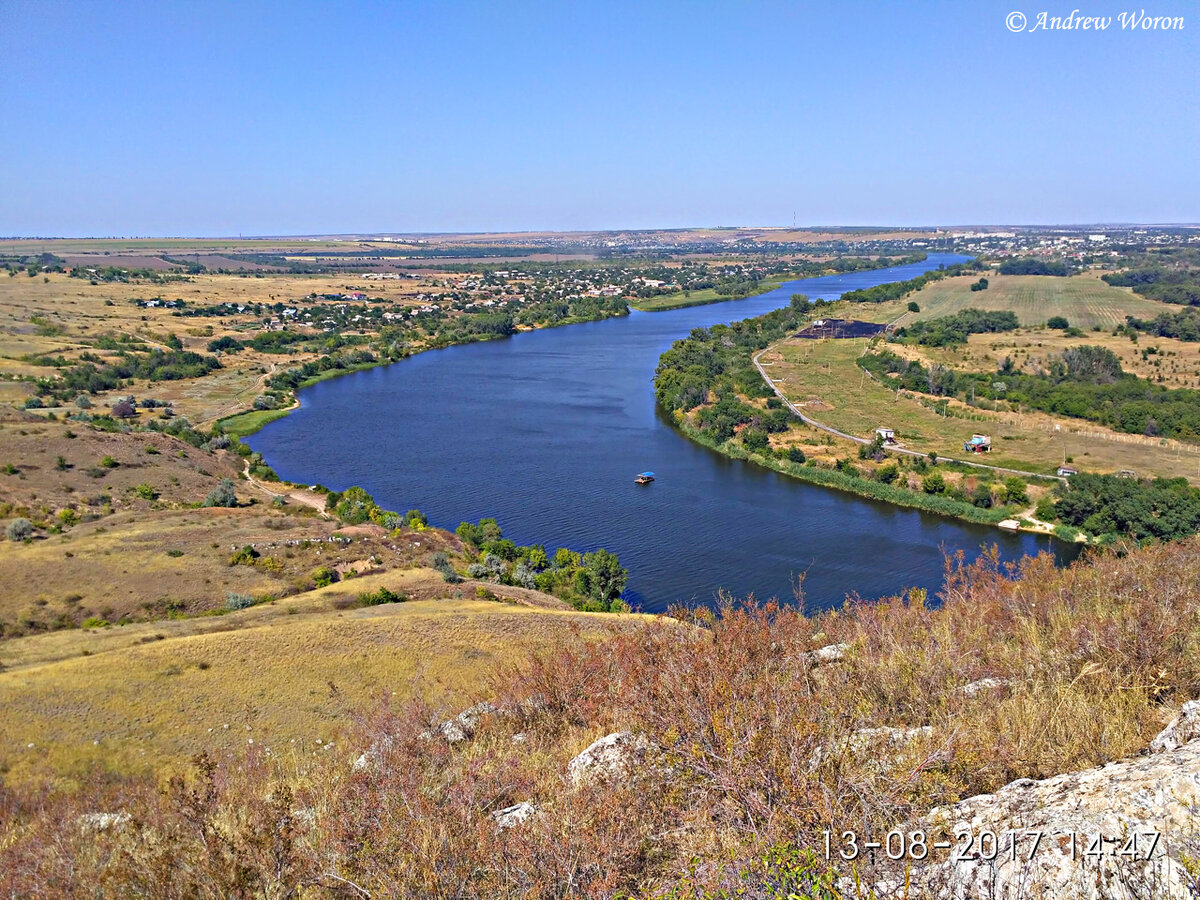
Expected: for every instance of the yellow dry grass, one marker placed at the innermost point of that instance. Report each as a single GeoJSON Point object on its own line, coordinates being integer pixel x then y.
{"type": "Point", "coordinates": [80, 312]}
{"type": "Point", "coordinates": [1084, 300]}
{"type": "Point", "coordinates": [824, 375]}
{"type": "Point", "coordinates": [288, 682]}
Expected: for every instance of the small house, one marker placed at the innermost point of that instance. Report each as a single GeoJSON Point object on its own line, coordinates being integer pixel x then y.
{"type": "Point", "coordinates": [979, 443]}
{"type": "Point", "coordinates": [1066, 471]}
{"type": "Point", "coordinates": [886, 434]}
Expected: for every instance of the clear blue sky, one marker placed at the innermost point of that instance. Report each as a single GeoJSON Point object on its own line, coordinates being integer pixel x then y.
{"type": "Point", "coordinates": [218, 118]}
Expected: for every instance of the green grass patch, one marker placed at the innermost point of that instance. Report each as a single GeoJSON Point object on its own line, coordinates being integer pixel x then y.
{"type": "Point", "coordinates": [247, 423]}
{"type": "Point", "coordinates": [700, 298]}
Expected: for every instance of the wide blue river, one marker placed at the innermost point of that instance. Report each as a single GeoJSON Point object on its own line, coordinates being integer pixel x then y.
{"type": "Point", "coordinates": [545, 431]}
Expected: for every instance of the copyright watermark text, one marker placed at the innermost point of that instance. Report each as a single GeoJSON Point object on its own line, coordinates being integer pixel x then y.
{"type": "Point", "coordinates": [1134, 20]}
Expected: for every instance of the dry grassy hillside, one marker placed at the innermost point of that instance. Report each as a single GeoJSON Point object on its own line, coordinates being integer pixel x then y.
{"type": "Point", "coordinates": [121, 533]}
{"type": "Point", "coordinates": [742, 745]}
{"type": "Point", "coordinates": [289, 677]}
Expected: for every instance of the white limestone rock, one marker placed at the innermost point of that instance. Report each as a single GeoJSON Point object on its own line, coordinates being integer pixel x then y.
{"type": "Point", "coordinates": [610, 758]}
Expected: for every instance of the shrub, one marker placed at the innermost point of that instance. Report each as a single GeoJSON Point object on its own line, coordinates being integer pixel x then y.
{"type": "Point", "coordinates": [1066, 532]}
{"type": "Point", "coordinates": [324, 576]}
{"type": "Point", "coordinates": [523, 576]}
{"type": "Point", "coordinates": [224, 494]}
{"type": "Point", "coordinates": [94, 622]}
{"type": "Point", "coordinates": [383, 595]}
{"type": "Point", "coordinates": [244, 557]}
{"type": "Point", "coordinates": [755, 440]}
{"type": "Point", "coordinates": [83, 401]}
{"type": "Point", "coordinates": [19, 530]}
{"type": "Point", "coordinates": [108, 462]}
{"type": "Point", "coordinates": [441, 562]}
{"type": "Point", "coordinates": [146, 491]}
{"type": "Point", "coordinates": [353, 506]}
{"type": "Point", "coordinates": [933, 483]}
{"type": "Point", "coordinates": [1058, 322]}
{"type": "Point", "coordinates": [796, 455]}
{"type": "Point", "coordinates": [235, 601]}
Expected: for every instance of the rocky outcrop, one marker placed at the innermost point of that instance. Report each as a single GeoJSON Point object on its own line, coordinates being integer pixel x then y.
{"type": "Point", "coordinates": [1120, 831]}
{"type": "Point", "coordinates": [881, 742]}
{"type": "Point", "coordinates": [983, 684]}
{"type": "Point", "coordinates": [830, 653]}
{"type": "Point", "coordinates": [511, 816]}
{"type": "Point", "coordinates": [610, 758]}
{"type": "Point", "coordinates": [1183, 728]}
{"type": "Point", "coordinates": [463, 726]}
{"type": "Point", "coordinates": [102, 821]}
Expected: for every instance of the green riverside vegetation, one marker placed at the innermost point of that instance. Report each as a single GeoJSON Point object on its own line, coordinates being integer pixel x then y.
{"type": "Point", "coordinates": [1083, 382]}
{"type": "Point", "coordinates": [717, 362]}
{"type": "Point", "coordinates": [591, 582]}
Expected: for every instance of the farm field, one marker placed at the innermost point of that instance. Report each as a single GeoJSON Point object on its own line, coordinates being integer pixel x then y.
{"type": "Point", "coordinates": [823, 378]}
{"type": "Point", "coordinates": [1084, 300]}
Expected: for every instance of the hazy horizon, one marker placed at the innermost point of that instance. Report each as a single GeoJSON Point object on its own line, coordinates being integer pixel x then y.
{"type": "Point", "coordinates": [316, 118]}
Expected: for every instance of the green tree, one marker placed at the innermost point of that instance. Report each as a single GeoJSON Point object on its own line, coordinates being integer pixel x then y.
{"type": "Point", "coordinates": [601, 576]}
{"type": "Point", "coordinates": [537, 560]}
{"type": "Point", "coordinates": [933, 483]}
{"type": "Point", "coordinates": [354, 506]}
{"type": "Point", "coordinates": [1014, 490]}
{"type": "Point", "coordinates": [982, 497]}
{"type": "Point", "coordinates": [565, 558]}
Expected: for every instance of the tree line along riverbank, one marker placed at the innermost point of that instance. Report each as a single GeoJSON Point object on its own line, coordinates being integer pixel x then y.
{"type": "Point", "coordinates": [715, 393]}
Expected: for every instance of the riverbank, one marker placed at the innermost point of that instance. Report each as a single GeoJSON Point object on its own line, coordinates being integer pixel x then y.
{"type": "Point", "coordinates": [841, 266]}
{"type": "Point", "coordinates": [247, 422]}
{"type": "Point", "coordinates": [849, 483]}
{"type": "Point", "coordinates": [547, 432]}
{"type": "Point", "coordinates": [704, 297]}
{"type": "Point", "coordinates": [717, 392]}
{"type": "Point", "coordinates": [1026, 522]}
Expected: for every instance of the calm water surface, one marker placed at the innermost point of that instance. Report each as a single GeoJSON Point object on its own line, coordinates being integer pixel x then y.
{"type": "Point", "coordinates": [546, 430]}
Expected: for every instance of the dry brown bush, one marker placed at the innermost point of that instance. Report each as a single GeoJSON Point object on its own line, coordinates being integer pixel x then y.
{"type": "Point", "coordinates": [750, 748]}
